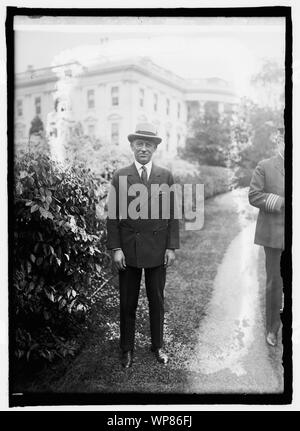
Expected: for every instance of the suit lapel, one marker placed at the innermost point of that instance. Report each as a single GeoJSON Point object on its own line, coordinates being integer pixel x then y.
{"type": "Point", "coordinates": [133, 175]}
{"type": "Point", "coordinates": [154, 175]}
{"type": "Point", "coordinates": [153, 179]}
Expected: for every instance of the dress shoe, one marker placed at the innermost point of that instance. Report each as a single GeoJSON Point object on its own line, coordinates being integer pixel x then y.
{"type": "Point", "coordinates": [160, 355]}
{"type": "Point", "coordinates": [127, 359]}
{"type": "Point", "coordinates": [272, 339]}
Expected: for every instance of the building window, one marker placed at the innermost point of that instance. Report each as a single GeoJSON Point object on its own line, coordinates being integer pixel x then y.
{"type": "Point", "coordinates": [20, 131]}
{"type": "Point", "coordinates": [178, 140]}
{"type": "Point", "coordinates": [115, 133]}
{"type": "Point", "coordinates": [19, 108]}
{"type": "Point", "coordinates": [168, 106]}
{"type": "Point", "coordinates": [228, 109]}
{"type": "Point", "coordinates": [168, 141]}
{"type": "Point", "coordinates": [68, 73]}
{"type": "Point", "coordinates": [188, 112]}
{"type": "Point", "coordinates": [20, 134]}
{"type": "Point", "coordinates": [38, 107]}
{"type": "Point", "coordinates": [178, 109]}
{"type": "Point", "coordinates": [193, 109]}
{"type": "Point", "coordinates": [91, 130]}
{"type": "Point", "coordinates": [115, 96]}
{"type": "Point", "coordinates": [91, 99]}
{"type": "Point", "coordinates": [211, 111]}
{"type": "Point", "coordinates": [142, 97]}
{"type": "Point", "coordinates": [155, 103]}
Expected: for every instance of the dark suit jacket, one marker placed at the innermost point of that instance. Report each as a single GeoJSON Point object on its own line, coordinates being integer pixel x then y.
{"type": "Point", "coordinates": [267, 193]}
{"type": "Point", "coordinates": [143, 241]}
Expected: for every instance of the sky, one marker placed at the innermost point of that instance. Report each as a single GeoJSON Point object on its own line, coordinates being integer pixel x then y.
{"type": "Point", "coordinates": [228, 48]}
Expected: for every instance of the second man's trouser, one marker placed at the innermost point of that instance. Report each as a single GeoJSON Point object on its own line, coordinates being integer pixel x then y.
{"type": "Point", "coordinates": [273, 289]}
{"type": "Point", "coordinates": [129, 284]}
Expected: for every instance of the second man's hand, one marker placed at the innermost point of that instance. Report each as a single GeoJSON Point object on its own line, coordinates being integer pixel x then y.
{"type": "Point", "coordinates": [119, 259]}
{"type": "Point", "coordinates": [169, 257]}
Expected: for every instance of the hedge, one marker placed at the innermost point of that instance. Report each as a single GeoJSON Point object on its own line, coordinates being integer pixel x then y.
{"type": "Point", "coordinates": [216, 179]}
{"type": "Point", "coordinates": [59, 250]}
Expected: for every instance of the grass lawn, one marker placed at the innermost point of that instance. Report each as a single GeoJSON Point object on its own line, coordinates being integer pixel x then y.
{"type": "Point", "coordinates": [188, 289]}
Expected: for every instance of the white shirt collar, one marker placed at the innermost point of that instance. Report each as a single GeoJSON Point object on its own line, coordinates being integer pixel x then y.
{"type": "Point", "coordinates": [148, 167]}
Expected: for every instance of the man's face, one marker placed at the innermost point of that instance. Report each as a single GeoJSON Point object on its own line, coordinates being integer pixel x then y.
{"type": "Point", "coordinates": [143, 150]}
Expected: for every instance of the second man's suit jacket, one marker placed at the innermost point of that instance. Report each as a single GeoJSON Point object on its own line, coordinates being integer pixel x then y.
{"type": "Point", "coordinates": [267, 193]}
{"type": "Point", "coordinates": [143, 241]}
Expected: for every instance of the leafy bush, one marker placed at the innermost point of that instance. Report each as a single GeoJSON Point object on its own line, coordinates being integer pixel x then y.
{"type": "Point", "coordinates": [59, 248]}
{"type": "Point", "coordinates": [216, 179]}
{"type": "Point", "coordinates": [179, 167]}
{"type": "Point", "coordinates": [101, 157]}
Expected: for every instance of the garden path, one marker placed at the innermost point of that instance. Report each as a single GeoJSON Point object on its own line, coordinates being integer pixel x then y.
{"type": "Point", "coordinates": [231, 354]}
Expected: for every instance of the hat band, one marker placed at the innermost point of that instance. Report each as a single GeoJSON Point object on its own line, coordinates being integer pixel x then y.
{"type": "Point", "coordinates": [142, 132]}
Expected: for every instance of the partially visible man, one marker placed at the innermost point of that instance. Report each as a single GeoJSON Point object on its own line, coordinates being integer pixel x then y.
{"type": "Point", "coordinates": [141, 242]}
{"type": "Point", "coordinates": [267, 193]}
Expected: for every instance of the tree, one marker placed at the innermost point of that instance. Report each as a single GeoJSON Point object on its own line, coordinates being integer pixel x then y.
{"type": "Point", "coordinates": [264, 114]}
{"type": "Point", "coordinates": [211, 136]}
{"type": "Point", "coordinates": [264, 122]}
{"type": "Point", "coordinates": [37, 126]}
{"type": "Point", "coordinates": [242, 140]}
{"type": "Point", "coordinates": [258, 119]}
{"type": "Point", "coordinates": [268, 85]}
{"type": "Point", "coordinates": [253, 138]}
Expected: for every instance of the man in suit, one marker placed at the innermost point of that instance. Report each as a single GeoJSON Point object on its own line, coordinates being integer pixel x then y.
{"type": "Point", "coordinates": [267, 193]}
{"type": "Point", "coordinates": [139, 240]}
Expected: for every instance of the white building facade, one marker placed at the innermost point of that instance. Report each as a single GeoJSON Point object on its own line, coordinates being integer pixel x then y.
{"type": "Point", "coordinates": [110, 98]}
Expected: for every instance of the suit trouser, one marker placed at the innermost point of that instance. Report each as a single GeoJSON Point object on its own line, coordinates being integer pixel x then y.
{"type": "Point", "coordinates": [273, 288]}
{"type": "Point", "coordinates": [129, 283]}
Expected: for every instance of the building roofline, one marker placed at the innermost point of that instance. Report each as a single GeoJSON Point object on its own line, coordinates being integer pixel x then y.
{"type": "Point", "coordinates": [211, 91]}
{"type": "Point", "coordinates": [135, 67]}
{"type": "Point", "coordinates": [137, 64]}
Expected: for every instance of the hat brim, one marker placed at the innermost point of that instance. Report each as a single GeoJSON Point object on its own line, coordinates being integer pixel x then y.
{"type": "Point", "coordinates": [134, 136]}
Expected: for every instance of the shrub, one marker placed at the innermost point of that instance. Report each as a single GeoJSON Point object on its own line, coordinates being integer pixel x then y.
{"type": "Point", "coordinates": [179, 167]}
{"type": "Point", "coordinates": [101, 157]}
{"type": "Point", "coordinates": [216, 179]}
{"type": "Point", "coordinates": [59, 249]}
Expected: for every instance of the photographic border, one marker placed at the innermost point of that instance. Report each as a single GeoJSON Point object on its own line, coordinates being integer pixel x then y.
{"type": "Point", "coordinates": [38, 399]}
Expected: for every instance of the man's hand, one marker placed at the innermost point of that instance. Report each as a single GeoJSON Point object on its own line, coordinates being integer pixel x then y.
{"type": "Point", "coordinates": [119, 259]}
{"type": "Point", "coordinates": [169, 257]}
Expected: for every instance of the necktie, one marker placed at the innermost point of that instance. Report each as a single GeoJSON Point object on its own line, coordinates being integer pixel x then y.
{"type": "Point", "coordinates": [144, 175]}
